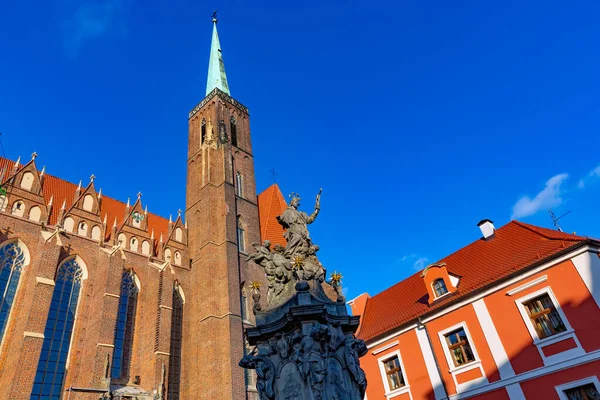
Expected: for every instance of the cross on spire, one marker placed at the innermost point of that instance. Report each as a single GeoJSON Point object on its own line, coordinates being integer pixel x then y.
{"type": "Point", "coordinates": [139, 195]}
{"type": "Point", "coordinates": [34, 155]}
{"type": "Point", "coordinates": [92, 177]}
{"type": "Point", "coordinates": [274, 173]}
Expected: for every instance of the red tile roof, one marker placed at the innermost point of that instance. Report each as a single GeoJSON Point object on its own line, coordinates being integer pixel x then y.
{"type": "Point", "coordinates": [514, 246]}
{"type": "Point", "coordinates": [270, 205]}
{"type": "Point", "coordinates": [61, 190]}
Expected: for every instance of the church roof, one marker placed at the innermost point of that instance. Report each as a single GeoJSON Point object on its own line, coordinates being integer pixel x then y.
{"type": "Point", "coordinates": [63, 191]}
{"type": "Point", "coordinates": [216, 68]}
{"type": "Point", "coordinates": [270, 205]}
{"type": "Point", "coordinates": [514, 247]}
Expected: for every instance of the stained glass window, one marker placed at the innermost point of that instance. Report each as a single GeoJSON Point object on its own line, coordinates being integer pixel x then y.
{"type": "Point", "coordinates": [175, 350]}
{"type": "Point", "coordinates": [125, 326]}
{"type": "Point", "coordinates": [51, 368]}
{"type": "Point", "coordinates": [12, 260]}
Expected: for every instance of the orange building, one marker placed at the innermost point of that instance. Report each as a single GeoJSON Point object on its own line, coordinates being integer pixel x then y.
{"type": "Point", "coordinates": [514, 315]}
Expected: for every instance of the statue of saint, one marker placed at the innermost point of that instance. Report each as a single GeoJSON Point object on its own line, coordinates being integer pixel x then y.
{"type": "Point", "coordinates": [295, 222]}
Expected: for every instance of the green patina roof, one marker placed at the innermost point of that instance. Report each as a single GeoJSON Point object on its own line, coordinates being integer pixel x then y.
{"type": "Point", "coordinates": [216, 68]}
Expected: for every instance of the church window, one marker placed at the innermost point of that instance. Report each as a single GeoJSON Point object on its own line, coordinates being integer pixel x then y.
{"type": "Point", "coordinates": [177, 258]}
{"type": "Point", "coordinates": [96, 232]}
{"type": "Point", "coordinates": [125, 326]}
{"type": "Point", "coordinates": [88, 202]}
{"type": "Point", "coordinates": [241, 237]}
{"type": "Point", "coordinates": [175, 347]}
{"type": "Point", "coordinates": [203, 131]}
{"type": "Point", "coordinates": [178, 234]}
{"type": "Point", "coordinates": [82, 229]}
{"type": "Point", "coordinates": [18, 208]}
{"type": "Point", "coordinates": [69, 224]}
{"type": "Point", "coordinates": [239, 184]}
{"type": "Point", "coordinates": [12, 261]}
{"type": "Point", "coordinates": [439, 287]}
{"type": "Point", "coordinates": [233, 128]}
{"type": "Point", "coordinates": [27, 181]}
{"type": "Point", "coordinates": [52, 364]}
{"type": "Point", "coordinates": [168, 255]}
{"type": "Point", "coordinates": [35, 214]}
{"type": "Point", "coordinates": [145, 248]}
{"type": "Point", "coordinates": [133, 244]}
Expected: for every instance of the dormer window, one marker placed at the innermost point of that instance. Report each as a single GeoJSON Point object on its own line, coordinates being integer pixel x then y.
{"type": "Point", "coordinates": [439, 287]}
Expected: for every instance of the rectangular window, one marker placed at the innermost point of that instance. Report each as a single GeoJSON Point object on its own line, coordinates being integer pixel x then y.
{"type": "Point", "coordinates": [544, 317]}
{"type": "Point", "coordinates": [239, 185]}
{"type": "Point", "coordinates": [439, 287]}
{"type": "Point", "coordinates": [393, 373]}
{"type": "Point", "coordinates": [459, 347]}
{"type": "Point", "coordinates": [241, 240]}
{"type": "Point", "coordinates": [584, 392]}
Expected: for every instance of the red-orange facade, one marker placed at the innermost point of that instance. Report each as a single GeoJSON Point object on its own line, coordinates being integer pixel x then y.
{"type": "Point", "coordinates": [512, 316]}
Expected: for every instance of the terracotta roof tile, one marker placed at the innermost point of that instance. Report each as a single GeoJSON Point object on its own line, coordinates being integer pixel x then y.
{"type": "Point", "coordinates": [62, 190]}
{"type": "Point", "coordinates": [514, 246]}
{"type": "Point", "coordinates": [270, 205]}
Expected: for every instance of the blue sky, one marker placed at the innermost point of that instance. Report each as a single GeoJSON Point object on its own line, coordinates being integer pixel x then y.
{"type": "Point", "coordinates": [418, 119]}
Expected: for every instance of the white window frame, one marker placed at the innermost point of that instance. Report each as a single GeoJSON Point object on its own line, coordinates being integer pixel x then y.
{"type": "Point", "coordinates": [560, 389]}
{"type": "Point", "coordinates": [396, 392]}
{"type": "Point", "coordinates": [455, 370]}
{"type": "Point", "coordinates": [435, 296]}
{"type": "Point", "coordinates": [559, 337]}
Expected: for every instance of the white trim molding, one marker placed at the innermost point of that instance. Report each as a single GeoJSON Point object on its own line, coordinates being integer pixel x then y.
{"type": "Point", "coordinates": [588, 267]}
{"type": "Point", "coordinates": [396, 392]}
{"type": "Point", "coordinates": [527, 285]}
{"type": "Point", "coordinates": [33, 334]}
{"type": "Point", "coordinates": [540, 343]}
{"type": "Point", "coordinates": [560, 389]}
{"type": "Point", "coordinates": [162, 353]}
{"type": "Point", "coordinates": [491, 335]}
{"type": "Point", "coordinates": [44, 281]}
{"type": "Point", "coordinates": [105, 345]}
{"type": "Point", "coordinates": [456, 370]}
{"type": "Point", "coordinates": [430, 363]}
{"type": "Point", "coordinates": [384, 348]}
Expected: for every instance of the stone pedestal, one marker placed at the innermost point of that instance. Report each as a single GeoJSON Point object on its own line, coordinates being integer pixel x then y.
{"type": "Point", "coordinates": [306, 349]}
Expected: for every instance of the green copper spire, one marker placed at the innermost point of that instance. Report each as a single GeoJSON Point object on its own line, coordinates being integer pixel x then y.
{"type": "Point", "coordinates": [216, 69]}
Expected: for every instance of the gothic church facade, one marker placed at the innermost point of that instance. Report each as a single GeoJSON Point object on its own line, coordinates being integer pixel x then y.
{"type": "Point", "coordinates": [102, 299]}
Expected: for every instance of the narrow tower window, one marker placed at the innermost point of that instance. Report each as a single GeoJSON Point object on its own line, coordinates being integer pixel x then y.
{"type": "Point", "coordinates": [233, 129]}
{"type": "Point", "coordinates": [57, 335]}
{"type": "Point", "coordinates": [241, 236]}
{"type": "Point", "coordinates": [239, 184]}
{"type": "Point", "coordinates": [125, 326]}
{"type": "Point", "coordinates": [203, 130]}
{"type": "Point", "coordinates": [175, 348]}
{"type": "Point", "coordinates": [12, 260]}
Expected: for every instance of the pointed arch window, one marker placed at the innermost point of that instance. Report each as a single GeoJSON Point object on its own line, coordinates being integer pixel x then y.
{"type": "Point", "coordinates": [175, 348]}
{"type": "Point", "coordinates": [233, 129]}
{"type": "Point", "coordinates": [239, 184]}
{"type": "Point", "coordinates": [57, 335]}
{"type": "Point", "coordinates": [241, 236]}
{"type": "Point", "coordinates": [203, 131]}
{"type": "Point", "coordinates": [125, 326]}
{"type": "Point", "coordinates": [12, 261]}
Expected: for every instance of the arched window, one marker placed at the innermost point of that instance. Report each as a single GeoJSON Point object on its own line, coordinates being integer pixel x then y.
{"type": "Point", "coordinates": [175, 348]}
{"type": "Point", "coordinates": [179, 234]}
{"type": "Point", "coordinates": [96, 232]}
{"type": "Point", "coordinates": [12, 261]}
{"type": "Point", "coordinates": [57, 335]}
{"type": "Point", "coordinates": [439, 287]}
{"type": "Point", "coordinates": [239, 184]}
{"type": "Point", "coordinates": [233, 129]}
{"type": "Point", "coordinates": [167, 255]}
{"type": "Point", "coordinates": [145, 248]}
{"type": "Point", "coordinates": [125, 326]}
{"type": "Point", "coordinates": [27, 181]}
{"type": "Point", "coordinates": [177, 258]}
{"type": "Point", "coordinates": [203, 131]}
{"type": "Point", "coordinates": [133, 244]}
{"type": "Point", "coordinates": [82, 229]}
{"type": "Point", "coordinates": [18, 208]}
{"type": "Point", "coordinates": [69, 224]}
{"type": "Point", "coordinates": [88, 202]}
{"type": "Point", "coordinates": [35, 213]}
{"type": "Point", "coordinates": [241, 236]}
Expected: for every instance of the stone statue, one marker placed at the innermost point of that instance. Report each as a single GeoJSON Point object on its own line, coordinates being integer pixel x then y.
{"type": "Point", "coordinates": [265, 373]}
{"type": "Point", "coordinates": [295, 223]}
{"type": "Point", "coordinates": [306, 349]}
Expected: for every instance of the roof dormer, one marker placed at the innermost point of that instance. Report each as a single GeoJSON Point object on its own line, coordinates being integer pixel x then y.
{"type": "Point", "coordinates": [438, 281]}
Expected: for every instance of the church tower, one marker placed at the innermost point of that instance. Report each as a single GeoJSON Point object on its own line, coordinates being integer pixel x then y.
{"type": "Point", "coordinates": [223, 222]}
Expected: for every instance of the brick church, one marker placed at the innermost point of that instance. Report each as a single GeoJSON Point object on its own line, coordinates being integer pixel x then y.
{"type": "Point", "coordinates": [102, 299]}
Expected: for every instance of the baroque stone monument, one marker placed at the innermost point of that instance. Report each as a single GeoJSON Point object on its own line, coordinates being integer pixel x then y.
{"type": "Point", "coordinates": [305, 346]}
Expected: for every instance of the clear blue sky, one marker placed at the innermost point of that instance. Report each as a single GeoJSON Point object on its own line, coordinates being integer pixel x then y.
{"type": "Point", "coordinates": [418, 119]}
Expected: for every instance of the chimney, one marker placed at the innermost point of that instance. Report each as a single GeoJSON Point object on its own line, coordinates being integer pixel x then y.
{"type": "Point", "coordinates": [487, 228]}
